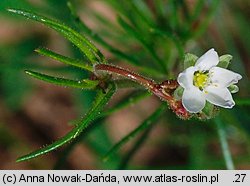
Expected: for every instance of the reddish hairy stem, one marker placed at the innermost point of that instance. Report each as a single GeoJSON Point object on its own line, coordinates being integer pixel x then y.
{"type": "Point", "coordinates": [163, 90]}
{"type": "Point", "coordinates": [126, 73]}
{"type": "Point", "coordinates": [148, 83]}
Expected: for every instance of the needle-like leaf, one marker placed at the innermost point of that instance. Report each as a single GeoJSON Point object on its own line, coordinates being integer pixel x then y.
{"type": "Point", "coordinates": [90, 51]}
{"type": "Point", "coordinates": [83, 84]}
{"type": "Point", "coordinates": [130, 30]}
{"type": "Point", "coordinates": [118, 53]}
{"type": "Point", "coordinates": [101, 100]}
{"type": "Point", "coordinates": [64, 59]}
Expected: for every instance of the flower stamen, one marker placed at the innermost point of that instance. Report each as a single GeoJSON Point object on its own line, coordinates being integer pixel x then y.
{"type": "Point", "coordinates": [201, 79]}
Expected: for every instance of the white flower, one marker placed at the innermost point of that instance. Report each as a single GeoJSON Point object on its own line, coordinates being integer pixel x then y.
{"type": "Point", "coordinates": [204, 81]}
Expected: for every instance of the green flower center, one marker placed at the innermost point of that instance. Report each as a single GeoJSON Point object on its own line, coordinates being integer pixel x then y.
{"type": "Point", "coordinates": [201, 79]}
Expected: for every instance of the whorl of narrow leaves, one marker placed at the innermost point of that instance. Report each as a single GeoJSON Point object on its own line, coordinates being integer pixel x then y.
{"type": "Point", "coordinates": [99, 103]}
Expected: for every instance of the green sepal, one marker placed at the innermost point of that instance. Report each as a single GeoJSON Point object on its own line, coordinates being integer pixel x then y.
{"type": "Point", "coordinates": [178, 93]}
{"type": "Point", "coordinates": [233, 88]}
{"type": "Point", "coordinates": [224, 60]}
{"type": "Point", "coordinates": [189, 60]}
{"type": "Point", "coordinates": [208, 112]}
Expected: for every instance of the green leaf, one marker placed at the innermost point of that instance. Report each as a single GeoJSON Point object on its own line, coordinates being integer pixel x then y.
{"type": "Point", "coordinates": [83, 84]}
{"type": "Point", "coordinates": [197, 10]}
{"type": "Point", "coordinates": [145, 124]}
{"type": "Point", "coordinates": [90, 51]}
{"type": "Point", "coordinates": [100, 101]}
{"type": "Point", "coordinates": [84, 27]}
{"type": "Point", "coordinates": [97, 38]}
{"type": "Point", "coordinates": [118, 53]}
{"type": "Point", "coordinates": [189, 60]}
{"type": "Point", "coordinates": [206, 20]}
{"type": "Point", "coordinates": [63, 156]}
{"type": "Point", "coordinates": [224, 60]}
{"type": "Point", "coordinates": [130, 30]}
{"type": "Point", "coordinates": [173, 37]}
{"type": "Point", "coordinates": [143, 11]}
{"type": "Point", "coordinates": [64, 59]}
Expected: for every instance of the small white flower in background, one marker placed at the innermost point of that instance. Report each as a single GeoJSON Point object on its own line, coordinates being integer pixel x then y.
{"type": "Point", "coordinates": [206, 82]}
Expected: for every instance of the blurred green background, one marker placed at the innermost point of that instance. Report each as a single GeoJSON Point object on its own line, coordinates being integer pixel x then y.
{"type": "Point", "coordinates": [136, 34]}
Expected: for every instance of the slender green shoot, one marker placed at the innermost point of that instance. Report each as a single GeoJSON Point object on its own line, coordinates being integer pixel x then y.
{"type": "Point", "coordinates": [145, 124]}
{"type": "Point", "coordinates": [224, 145]}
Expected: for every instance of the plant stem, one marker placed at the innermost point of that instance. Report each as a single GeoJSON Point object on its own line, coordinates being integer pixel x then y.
{"type": "Point", "coordinates": [147, 83]}
{"type": "Point", "coordinates": [162, 90]}
{"type": "Point", "coordinates": [126, 73]}
{"type": "Point", "coordinates": [224, 145]}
